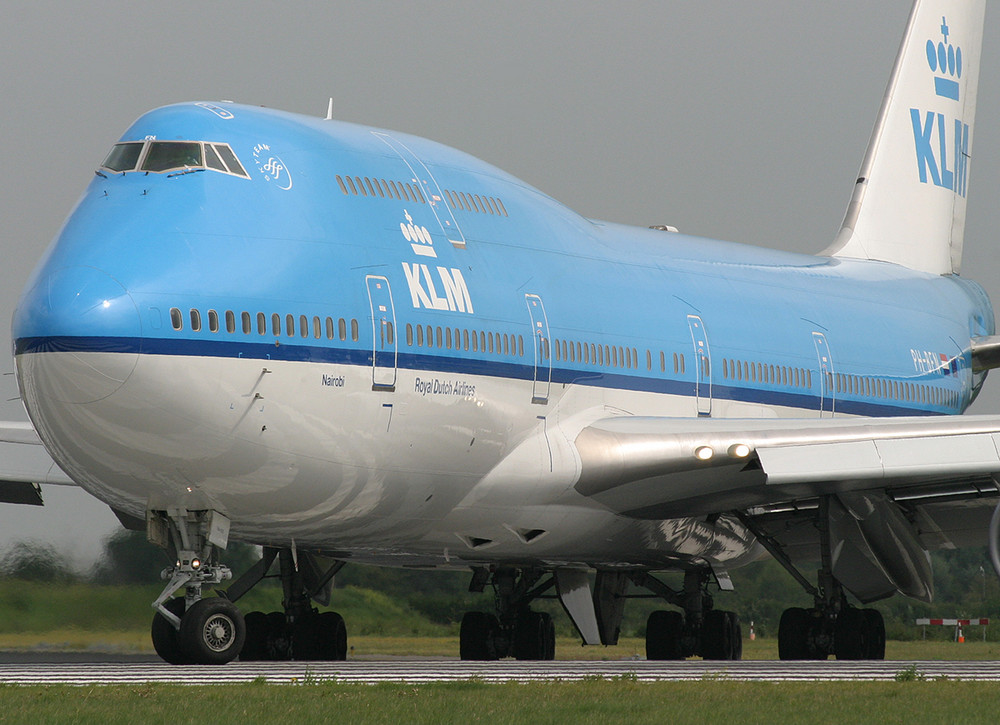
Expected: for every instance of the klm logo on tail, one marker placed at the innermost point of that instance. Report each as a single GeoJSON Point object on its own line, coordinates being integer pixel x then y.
{"type": "Point", "coordinates": [942, 144]}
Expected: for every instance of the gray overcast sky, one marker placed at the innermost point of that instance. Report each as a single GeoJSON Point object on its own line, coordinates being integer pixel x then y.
{"type": "Point", "coordinates": [737, 120]}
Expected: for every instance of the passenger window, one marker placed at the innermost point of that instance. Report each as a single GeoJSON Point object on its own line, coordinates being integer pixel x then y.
{"type": "Point", "coordinates": [342, 328]}
{"type": "Point", "coordinates": [230, 321]}
{"type": "Point", "coordinates": [447, 338]}
{"type": "Point", "coordinates": [245, 319]}
{"type": "Point", "coordinates": [340, 183]}
{"type": "Point", "coordinates": [195, 320]}
{"type": "Point", "coordinates": [276, 324]}
{"type": "Point", "coordinates": [440, 338]}
{"type": "Point", "coordinates": [350, 183]}
{"type": "Point", "coordinates": [261, 323]}
{"type": "Point", "coordinates": [354, 330]}
{"type": "Point", "coordinates": [290, 325]}
{"type": "Point", "coordinates": [420, 335]}
{"type": "Point", "coordinates": [390, 333]}
{"type": "Point", "coordinates": [317, 328]}
{"type": "Point", "coordinates": [409, 334]}
{"type": "Point", "coordinates": [501, 206]}
{"type": "Point", "coordinates": [329, 328]}
{"type": "Point", "coordinates": [361, 185]}
{"type": "Point", "coordinates": [176, 319]}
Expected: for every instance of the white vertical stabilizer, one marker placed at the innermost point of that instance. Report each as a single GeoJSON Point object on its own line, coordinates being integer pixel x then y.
{"type": "Point", "coordinates": [908, 205]}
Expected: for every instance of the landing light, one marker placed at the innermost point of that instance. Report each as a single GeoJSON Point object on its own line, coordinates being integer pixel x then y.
{"type": "Point", "coordinates": [703, 453]}
{"type": "Point", "coordinates": [739, 450]}
{"type": "Point", "coordinates": [106, 304]}
{"type": "Point", "coordinates": [196, 563]}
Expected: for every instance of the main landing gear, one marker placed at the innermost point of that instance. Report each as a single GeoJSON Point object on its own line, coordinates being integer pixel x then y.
{"type": "Point", "coordinates": [713, 634]}
{"type": "Point", "coordinates": [515, 630]}
{"type": "Point", "coordinates": [193, 629]}
{"type": "Point", "coordinates": [831, 626]}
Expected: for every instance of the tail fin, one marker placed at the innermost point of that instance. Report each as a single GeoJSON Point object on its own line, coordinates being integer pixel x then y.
{"type": "Point", "coordinates": [908, 205]}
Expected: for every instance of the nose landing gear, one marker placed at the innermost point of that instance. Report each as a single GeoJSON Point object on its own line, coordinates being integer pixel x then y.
{"type": "Point", "coordinates": [192, 629]}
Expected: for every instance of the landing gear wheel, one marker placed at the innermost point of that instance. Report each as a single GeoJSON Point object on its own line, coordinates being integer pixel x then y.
{"type": "Point", "coordinates": [212, 631]}
{"type": "Point", "coordinates": [166, 639]}
{"type": "Point", "coordinates": [793, 634]}
{"type": "Point", "coordinates": [717, 632]}
{"type": "Point", "coordinates": [549, 628]}
{"type": "Point", "coordinates": [663, 635]}
{"type": "Point", "coordinates": [875, 628]}
{"type": "Point", "coordinates": [534, 636]}
{"type": "Point", "coordinates": [255, 642]}
{"type": "Point", "coordinates": [735, 634]}
{"type": "Point", "coordinates": [478, 636]}
{"type": "Point", "coordinates": [850, 636]}
{"type": "Point", "coordinates": [333, 635]}
{"type": "Point", "coordinates": [279, 641]}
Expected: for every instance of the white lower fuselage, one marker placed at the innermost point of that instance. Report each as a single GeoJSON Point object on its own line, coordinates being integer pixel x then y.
{"type": "Point", "coordinates": [310, 453]}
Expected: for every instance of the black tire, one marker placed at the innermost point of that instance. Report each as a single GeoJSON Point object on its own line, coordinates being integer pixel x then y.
{"type": "Point", "coordinates": [793, 634]}
{"type": "Point", "coordinates": [166, 639]}
{"type": "Point", "coordinates": [850, 636]}
{"type": "Point", "coordinates": [530, 635]}
{"type": "Point", "coordinates": [736, 635]}
{"type": "Point", "coordinates": [307, 644]}
{"type": "Point", "coordinates": [664, 629]}
{"type": "Point", "coordinates": [212, 631]}
{"type": "Point", "coordinates": [279, 640]}
{"type": "Point", "coordinates": [875, 627]}
{"type": "Point", "coordinates": [717, 635]}
{"type": "Point", "coordinates": [255, 642]}
{"type": "Point", "coordinates": [331, 635]}
{"type": "Point", "coordinates": [549, 629]}
{"type": "Point", "coordinates": [477, 637]}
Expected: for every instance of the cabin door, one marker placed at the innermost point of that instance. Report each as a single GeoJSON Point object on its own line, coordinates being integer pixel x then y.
{"type": "Point", "coordinates": [541, 345]}
{"type": "Point", "coordinates": [702, 366]}
{"type": "Point", "coordinates": [827, 375]}
{"type": "Point", "coordinates": [428, 185]}
{"type": "Point", "coordinates": [383, 333]}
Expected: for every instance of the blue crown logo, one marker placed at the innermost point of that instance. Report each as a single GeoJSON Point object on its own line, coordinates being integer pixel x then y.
{"type": "Point", "coordinates": [947, 59]}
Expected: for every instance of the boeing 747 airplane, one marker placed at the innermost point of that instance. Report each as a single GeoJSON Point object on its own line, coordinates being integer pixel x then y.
{"type": "Point", "coordinates": [350, 345]}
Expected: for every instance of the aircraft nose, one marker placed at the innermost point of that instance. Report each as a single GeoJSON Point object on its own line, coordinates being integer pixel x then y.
{"type": "Point", "coordinates": [86, 330]}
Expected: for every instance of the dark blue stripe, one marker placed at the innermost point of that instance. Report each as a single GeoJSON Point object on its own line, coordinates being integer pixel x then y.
{"type": "Point", "coordinates": [187, 347]}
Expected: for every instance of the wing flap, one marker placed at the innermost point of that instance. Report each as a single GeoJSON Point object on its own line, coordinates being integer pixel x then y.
{"type": "Point", "coordinates": [917, 457]}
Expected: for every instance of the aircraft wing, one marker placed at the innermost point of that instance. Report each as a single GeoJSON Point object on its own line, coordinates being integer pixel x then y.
{"type": "Point", "coordinates": [24, 464]}
{"type": "Point", "coordinates": [884, 489]}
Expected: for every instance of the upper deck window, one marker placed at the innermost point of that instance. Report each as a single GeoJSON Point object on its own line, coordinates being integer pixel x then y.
{"type": "Point", "coordinates": [173, 156]}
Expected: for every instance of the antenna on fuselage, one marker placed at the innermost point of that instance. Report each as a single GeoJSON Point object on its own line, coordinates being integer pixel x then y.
{"type": "Point", "coordinates": [329, 111]}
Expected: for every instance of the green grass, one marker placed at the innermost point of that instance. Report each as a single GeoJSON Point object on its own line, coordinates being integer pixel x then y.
{"type": "Point", "coordinates": [592, 701]}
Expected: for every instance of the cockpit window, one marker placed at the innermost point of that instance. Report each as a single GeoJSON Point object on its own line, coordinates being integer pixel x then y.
{"type": "Point", "coordinates": [170, 155]}
{"type": "Point", "coordinates": [173, 156]}
{"type": "Point", "coordinates": [123, 156]}
{"type": "Point", "coordinates": [229, 157]}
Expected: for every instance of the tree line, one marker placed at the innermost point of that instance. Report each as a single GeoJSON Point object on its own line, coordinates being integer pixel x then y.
{"type": "Point", "coordinates": [964, 583]}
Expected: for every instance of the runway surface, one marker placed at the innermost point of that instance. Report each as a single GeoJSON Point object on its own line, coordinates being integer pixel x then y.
{"type": "Point", "coordinates": [144, 669]}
